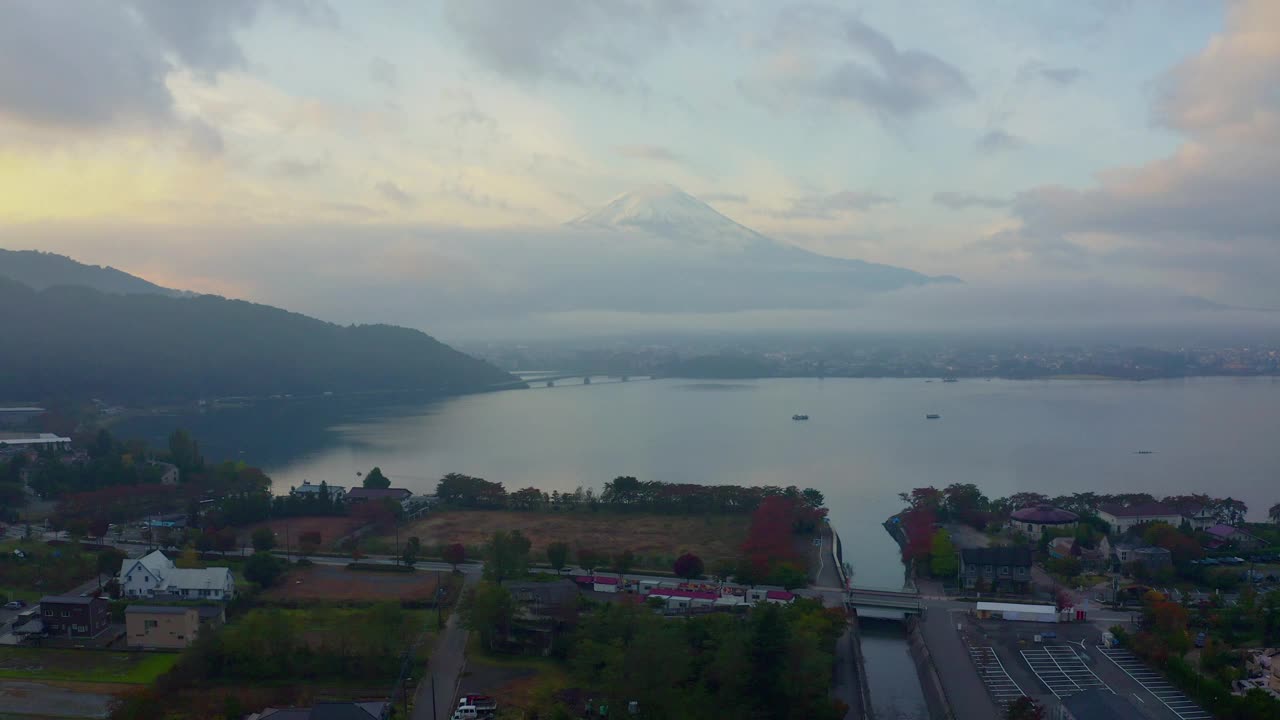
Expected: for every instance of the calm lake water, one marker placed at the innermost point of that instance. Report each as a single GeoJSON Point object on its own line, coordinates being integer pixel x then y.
{"type": "Point", "coordinates": [867, 440]}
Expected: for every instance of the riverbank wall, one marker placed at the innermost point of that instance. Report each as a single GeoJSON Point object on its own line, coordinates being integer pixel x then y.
{"type": "Point", "coordinates": [862, 691]}
{"type": "Point", "coordinates": [934, 695]}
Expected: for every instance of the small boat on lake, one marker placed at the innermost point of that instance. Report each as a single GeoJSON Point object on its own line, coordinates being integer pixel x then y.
{"type": "Point", "coordinates": [1146, 452]}
{"type": "Point", "coordinates": [932, 416]}
{"type": "Point", "coordinates": [949, 379]}
{"type": "Point", "coordinates": [799, 417]}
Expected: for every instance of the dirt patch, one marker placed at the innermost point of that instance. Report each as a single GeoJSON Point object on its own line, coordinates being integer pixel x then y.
{"type": "Point", "coordinates": [30, 699]}
{"type": "Point", "coordinates": [648, 536]}
{"type": "Point", "coordinates": [331, 529]}
{"type": "Point", "coordinates": [336, 583]}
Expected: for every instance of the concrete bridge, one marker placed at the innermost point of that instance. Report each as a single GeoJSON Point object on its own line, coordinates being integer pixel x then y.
{"type": "Point", "coordinates": [908, 603]}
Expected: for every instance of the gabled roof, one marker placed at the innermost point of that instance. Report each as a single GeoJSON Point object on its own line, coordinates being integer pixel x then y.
{"type": "Point", "coordinates": [1002, 555]}
{"type": "Point", "coordinates": [364, 493]}
{"type": "Point", "coordinates": [1138, 510]}
{"type": "Point", "coordinates": [155, 562]}
{"type": "Point", "coordinates": [214, 578]}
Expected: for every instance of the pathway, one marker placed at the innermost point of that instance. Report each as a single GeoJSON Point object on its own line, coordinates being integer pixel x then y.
{"type": "Point", "coordinates": [437, 691]}
{"type": "Point", "coordinates": [964, 689]}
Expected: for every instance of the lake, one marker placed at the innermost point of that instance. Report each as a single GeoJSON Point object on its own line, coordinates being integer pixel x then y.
{"type": "Point", "coordinates": [866, 441]}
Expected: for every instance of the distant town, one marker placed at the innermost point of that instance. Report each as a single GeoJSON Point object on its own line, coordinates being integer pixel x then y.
{"type": "Point", "coordinates": [887, 357]}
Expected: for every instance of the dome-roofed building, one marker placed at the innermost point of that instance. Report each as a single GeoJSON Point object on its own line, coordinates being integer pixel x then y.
{"type": "Point", "coordinates": [1038, 519]}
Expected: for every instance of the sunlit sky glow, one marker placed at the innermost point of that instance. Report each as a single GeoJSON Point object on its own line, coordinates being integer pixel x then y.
{"type": "Point", "coordinates": [1129, 142]}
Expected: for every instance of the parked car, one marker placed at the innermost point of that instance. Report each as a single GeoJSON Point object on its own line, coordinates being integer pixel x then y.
{"type": "Point", "coordinates": [14, 605]}
{"type": "Point", "coordinates": [1200, 639]}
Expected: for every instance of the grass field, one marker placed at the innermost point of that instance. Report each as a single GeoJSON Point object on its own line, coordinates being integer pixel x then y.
{"type": "Point", "coordinates": [331, 529]}
{"type": "Point", "coordinates": [655, 539]}
{"type": "Point", "coordinates": [84, 665]}
{"type": "Point", "coordinates": [336, 583]}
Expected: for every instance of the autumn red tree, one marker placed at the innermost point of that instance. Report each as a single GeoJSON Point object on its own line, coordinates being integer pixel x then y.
{"type": "Point", "coordinates": [688, 566]}
{"type": "Point", "coordinates": [454, 554]}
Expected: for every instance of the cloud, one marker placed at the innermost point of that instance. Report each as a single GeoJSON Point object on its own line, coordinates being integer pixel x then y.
{"type": "Point", "coordinates": [996, 141]}
{"type": "Point", "coordinates": [583, 42]}
{"type": "Point", "coordinates": [962, 200]}
{"type": "Point", "coordinates": [826, 207]}
{"type": "Point", "coordinates": [297, 168]}
{"type": "Point", "coordinates": [650, 152]}
{"type": "Point", "coordinates": [99, 64]}
{"type": "Point", "coordinates": [395, 194]}
{"type": "Point", "coordinates": [1207, 210]}
{"type": "Point", "coordinates": [384, 72]}
{"type": "Point", "coordinates": [833, 55]}
{"type": "Point", "coordinates": [1061, 76]}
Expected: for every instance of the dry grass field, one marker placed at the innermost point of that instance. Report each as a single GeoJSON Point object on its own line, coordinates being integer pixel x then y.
{"type": "Point", "coordinates": [648, 536]}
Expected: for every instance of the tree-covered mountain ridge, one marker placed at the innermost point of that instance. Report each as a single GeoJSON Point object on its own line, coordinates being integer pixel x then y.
{"type": "Point", "coordinates": [78, 342]}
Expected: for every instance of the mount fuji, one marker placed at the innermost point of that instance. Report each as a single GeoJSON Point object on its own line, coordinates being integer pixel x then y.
{"type": "Point", "coordinates": [695, 232]}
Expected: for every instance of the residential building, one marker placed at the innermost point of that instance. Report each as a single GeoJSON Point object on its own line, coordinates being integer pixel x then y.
{"type": "Point", "coordinates": [546, 611]}
{"type": "Point", "coordinates": [363, 494]}
{"type": "Point", "coordinates": [155, 576]}
{"type": "Point", "coordinates": [998, 568]}
{"type": "Point", "coordinates": [161, 626]}
{"type": "Point", "coordinates": [1200, 517]}
{"type": "Point", "coordinates": [11, 442]}
{"type": "Point", "coordinates": [306, 488]}
{"type": "Point", "coordinates": [74, 616]}
{"type": "Point", "coordinates": [1040, 519]}
{"type": "Point", "coordinates": [15, 416]}
{"type": "Point", "coordinates": [770, 594]}
{"type": "Point", "coordinates": [1224, 535]}
{"type": "Point", "coordinates": [1123, 549]}
{"type": "Point", "coordinates": [1153, 558]}
{"type": "Point", "coordinates": [1122, 517]}
{"type": "Point", "coordinates": [379, 710]}
{"type": "Point", "coordinates": [169, 473]}
{"type": "Point", "coordinates": [1096, 704]}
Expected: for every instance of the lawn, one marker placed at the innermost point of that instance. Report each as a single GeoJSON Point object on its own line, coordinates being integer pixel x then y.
{"type": "Point", "coordinates": [84, 665]}
{"type": "Point", "coordinates": [336, 583]}
{"type": "Point", "coordinates": [656, 540]}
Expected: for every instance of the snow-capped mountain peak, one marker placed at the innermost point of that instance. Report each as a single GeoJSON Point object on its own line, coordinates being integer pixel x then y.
{"type": "Point", "coordinates": [667, 211]}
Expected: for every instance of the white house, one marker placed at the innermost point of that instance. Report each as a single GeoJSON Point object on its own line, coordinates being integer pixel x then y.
{"type": "Point", "coordinates": [308, 489]}
{"type": "Point", "coordinates": [169, 473]}
{"type": "Point", "coordinates": [1123, 517]}
{"type": "Point", "coordinates": [155, 575]}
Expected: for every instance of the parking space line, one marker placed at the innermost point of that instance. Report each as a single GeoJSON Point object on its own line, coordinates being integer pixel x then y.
{"type": "Point", "coordinates": [1061, 670]}
{"type": "Point", "coordinates": [1002, 688]}
{"type": "Point", "coordinates": [1160, 688]}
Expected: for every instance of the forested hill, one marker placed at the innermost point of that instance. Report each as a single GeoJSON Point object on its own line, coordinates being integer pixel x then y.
{"type": "Point", "coordinates": [40, 270]}
{"type": "Point", "coordinates": [74, 342]}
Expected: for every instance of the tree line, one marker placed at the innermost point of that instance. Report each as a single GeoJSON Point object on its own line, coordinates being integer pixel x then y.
{"type": "Point", "coordinates": [623, 493]}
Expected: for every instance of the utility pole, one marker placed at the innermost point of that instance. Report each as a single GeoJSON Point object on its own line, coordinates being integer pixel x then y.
{"type": "Point", "coordinates": [433, 697]}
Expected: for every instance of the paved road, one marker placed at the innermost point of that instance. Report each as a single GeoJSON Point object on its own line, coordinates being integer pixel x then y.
{"type": "Point", "coordinates": [965, 691]}
{"type": "Point", "coordinates": [444, 667]}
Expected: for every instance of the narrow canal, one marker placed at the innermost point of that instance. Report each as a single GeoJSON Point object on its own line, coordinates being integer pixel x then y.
{"type": "Point", "coordinates": [891, 673]}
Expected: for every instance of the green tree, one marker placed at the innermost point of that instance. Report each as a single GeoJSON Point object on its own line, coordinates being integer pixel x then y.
{"type": "Point", "coordinates": [558, 555]}
{"type": "Point", "coordinates": [184, 451]}
{"type": "Point", "coordinates": [589, 559]}
{"type": "Point", "coordinates": [263, 539]}
{"type": "Point", "coordinates": [942, 555]}
{"type": "Point", "coordinates": [376, 480]}
{"type": "Point", "coordinates": [263, 568]}
{"type": "Point", "coordinates": [488, 610]}
{"type": "Point", "coordinates": [623, 562]}
{"type": "Point", "coordinates": [507, 556]}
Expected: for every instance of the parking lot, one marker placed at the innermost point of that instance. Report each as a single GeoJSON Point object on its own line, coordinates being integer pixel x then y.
{"type": "Point", "coordinates": [1051, 661]}
{"type": "Point", "coordinates": [1153, 682]}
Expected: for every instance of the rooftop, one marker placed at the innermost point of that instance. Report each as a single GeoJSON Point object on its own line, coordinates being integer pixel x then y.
{"type": "Point", "coordinates": [1002, 555]}
{"type": "Point", "coordinates": [1138, 510]}
{"type": "Point", "coordinates": [157, 610]}
{"type": "Point", "coordinates": [378, 493]}
{"type": "Point", "coordinates": [1016, 607]}
{"type": "Point", "coordinates": [1044, 515]}
{"type": "Point", "coordinates": [68, 599]}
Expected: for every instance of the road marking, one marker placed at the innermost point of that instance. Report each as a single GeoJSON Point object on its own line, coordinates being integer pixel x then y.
{"type": "Point", "coordinates": [1154, 683]}
{"type": "Point", "coordinates": [1000, 686]}
{"type": "Point", "coordinates": [1062, 671]}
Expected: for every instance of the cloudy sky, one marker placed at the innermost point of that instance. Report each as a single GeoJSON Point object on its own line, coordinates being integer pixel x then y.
{"type": "Point", "coordinates": [211, 145]}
